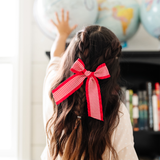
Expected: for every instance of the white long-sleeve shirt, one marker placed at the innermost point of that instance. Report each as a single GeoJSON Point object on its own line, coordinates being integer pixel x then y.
{"type": "Point", "coordinates": [122, 137]}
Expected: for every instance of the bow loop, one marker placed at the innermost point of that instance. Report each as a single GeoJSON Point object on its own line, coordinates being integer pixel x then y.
{"type": "Point", "coordinates": [102, 72]}
{"type": "Point", "coordinates": [78, 66]}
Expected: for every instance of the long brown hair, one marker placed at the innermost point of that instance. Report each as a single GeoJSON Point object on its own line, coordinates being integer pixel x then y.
{"type": "Point", "coordinates": [86, 138]}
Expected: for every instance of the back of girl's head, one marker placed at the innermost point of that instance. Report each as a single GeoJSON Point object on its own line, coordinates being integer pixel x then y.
{"type": "Point", "coordinates": [94, 45]}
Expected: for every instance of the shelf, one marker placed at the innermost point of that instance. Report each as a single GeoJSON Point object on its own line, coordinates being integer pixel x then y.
{"type": "Point", "coordinates": [139, 67]}
{"type": "Point", "coordinates": [147, 143]}
{"type": "Point", "coordinates": [141, 54]}
{"type": "Point", "coordinates": [147, 132]}
{"type": "Point", "coordinates": [148, 57]}
{"type": "Point", "coordinates": [151, 57]}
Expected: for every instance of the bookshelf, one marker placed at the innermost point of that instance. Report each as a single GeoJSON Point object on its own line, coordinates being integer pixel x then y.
{"type": "Point", "coordinates": [137, 68]}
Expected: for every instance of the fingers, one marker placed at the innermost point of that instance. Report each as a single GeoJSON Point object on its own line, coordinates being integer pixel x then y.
{"type": "Point", "coordinates": [67, 17]}
{"type": "Point", "coordinates": [57, 18]}
{"type": "Point", "coordinates": [53, 23]}
{"type": "Point", "coordinates": [62, 14]}
{"type": "Point", "coordinates": [74, 27]}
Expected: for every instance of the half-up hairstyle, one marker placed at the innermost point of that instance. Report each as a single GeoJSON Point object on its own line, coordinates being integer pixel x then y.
{"type": "Point", "coordinates": [71, 133]}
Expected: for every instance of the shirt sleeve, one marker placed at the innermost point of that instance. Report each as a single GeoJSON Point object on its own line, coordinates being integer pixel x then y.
{"type": "Point", "coordinates": [127, 153]}
{"type": "Point", "coordinates": [123, 140]}
{"type": "Point", "coordinates": [51, 72]}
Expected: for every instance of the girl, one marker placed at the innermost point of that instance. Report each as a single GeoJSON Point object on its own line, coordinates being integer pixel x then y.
{"type": "Point", "coordinates": [83, 113]}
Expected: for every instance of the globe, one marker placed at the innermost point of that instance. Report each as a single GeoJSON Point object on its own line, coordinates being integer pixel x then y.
{"type": "Point", "coordinates": [120, 16]}
{"type": "Point", "coordinates": [150, 17]}
{"type": "Point", "coordinates": [82, 13]}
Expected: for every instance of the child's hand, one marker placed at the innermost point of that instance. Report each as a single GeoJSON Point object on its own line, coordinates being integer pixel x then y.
{"type": "Point", "coordinates": [62, 26]}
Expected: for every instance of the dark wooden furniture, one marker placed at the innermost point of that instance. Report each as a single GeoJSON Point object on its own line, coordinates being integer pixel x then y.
{"type": "Point", "coordinates": [136, 69]}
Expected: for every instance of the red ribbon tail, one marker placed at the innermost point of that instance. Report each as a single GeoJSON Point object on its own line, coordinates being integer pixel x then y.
{"type": "Point", "coordinates": [68, 87]}
{"type": "Point", "coordinates": [94, 101]}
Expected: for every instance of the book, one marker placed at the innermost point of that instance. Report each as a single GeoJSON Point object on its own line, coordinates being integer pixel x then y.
{"type": "Point", "coordinates": [145, 109]}
{"type": "Point", "coordinates": [140, 107]}
{"type": "Point", "coordinates": [131, 105]}
{"type": "Point", "coordinates": [155, 111]}
{"type": "Point", "coordinates": [123, 90]}
{"type": "Point", "coordinates": [149, 103]}
{"type": "Point", "coordinates": [127, 101]}
{"type": "Point", "coordinates": [157, 86]}
{"type": "Point", "coordinates": [135, 112]}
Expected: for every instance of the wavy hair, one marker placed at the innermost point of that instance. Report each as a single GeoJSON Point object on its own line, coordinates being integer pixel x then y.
{"type": "Point", "coordinates": [73, 138]}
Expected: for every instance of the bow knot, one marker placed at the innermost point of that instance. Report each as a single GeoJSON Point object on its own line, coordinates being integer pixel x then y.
{"type": "Point", "coordinates": [88, 73]}
{"type": "Point", "coordinates": [93, 94]}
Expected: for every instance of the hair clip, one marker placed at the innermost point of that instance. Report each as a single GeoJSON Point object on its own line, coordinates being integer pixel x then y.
{"type": "Point", "coordinates": [79, 117]}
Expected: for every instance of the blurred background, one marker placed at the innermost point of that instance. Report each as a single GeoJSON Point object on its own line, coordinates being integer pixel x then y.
{"type": "Point", "coordinates": [26, 37]}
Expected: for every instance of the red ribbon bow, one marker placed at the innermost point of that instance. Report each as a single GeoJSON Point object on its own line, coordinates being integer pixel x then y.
{"type": "Point", "coordinates": [93, 94]}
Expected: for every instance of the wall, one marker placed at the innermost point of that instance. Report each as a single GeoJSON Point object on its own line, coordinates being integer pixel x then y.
{"type": "Point", "coordinates": [40, 43]}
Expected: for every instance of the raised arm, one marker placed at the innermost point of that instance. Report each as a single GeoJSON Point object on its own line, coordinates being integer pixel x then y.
{"type": "Point", "coordinates": [63, 31]}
